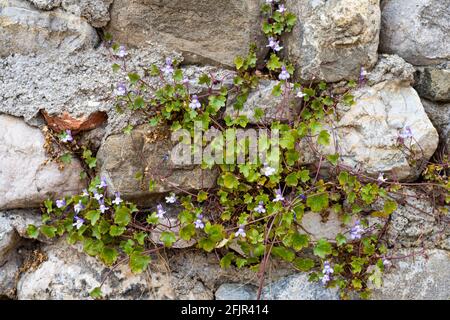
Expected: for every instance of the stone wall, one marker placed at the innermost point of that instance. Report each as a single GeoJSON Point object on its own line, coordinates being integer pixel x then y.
{"type": "Point", "coordinates": [55, 71]}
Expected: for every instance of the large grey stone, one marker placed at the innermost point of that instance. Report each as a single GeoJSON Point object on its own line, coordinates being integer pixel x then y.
{"type": "Point", "coordinates": [439, 114]}
{"type": "Point", "coordinates": [147, 151]}
{"type": "Point", "coordinates": [205, 31]}
{"type": "Point", "coordinates": [417, 277]}
{"type": "Point", "coordinates": [26, 30]}
{"type": "Point", "coordinates": [235, 291]}
{"type": "Point", "coordinates": [416, 30]}
{"type": "Point", "coordinates": [333, 39]}
{"type": "Point", "coordinates": [27, 176]}
{"type": "Point", "coordinates": [433, 82]}
{"type": "Point", "coordinates": [96, 12]}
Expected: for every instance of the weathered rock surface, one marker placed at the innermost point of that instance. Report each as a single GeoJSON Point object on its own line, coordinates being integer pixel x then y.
{"type": "Point", "coordinates": [366, 134]}
{"type": "Point", "coordinates": [282, 108]}
{"type": "Point", "coordinates": [433, 82]}
{"type": "Point", "coordinates": [147, 150]}
{"type": "Point", "coordinates": [81, 84]}
{"type": "Point", "coordinates": [293, 287]}
{"type": "Point", "coordinates": [27, 177]}
{"type": "Point", "coordinates": [439, 114]}
{"type": "Point", "coordinates": [26, 30]}
{"type": "Point", "coordinates": [333, 39]}
{"type": "Point", "coordinates": [416, 30]}
{"type": "Point", "coordinates": [68, 273]}
{"type": "Point", "coordinates": [205, 31]}
{"type": "Point", "coordinates": [417, 277]}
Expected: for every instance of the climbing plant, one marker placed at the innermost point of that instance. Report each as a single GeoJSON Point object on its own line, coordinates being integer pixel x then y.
{"type": "Point", "coordinates": [257, 207]}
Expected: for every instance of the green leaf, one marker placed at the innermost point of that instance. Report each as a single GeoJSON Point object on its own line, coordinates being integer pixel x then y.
{"type": "Point", "coordinates": [341, 240]}
{"type": "Point", "coordinates": [168, 238]}
{"type": "Point", "coordinates": [389, 207]}
{"type": "Point", "coordinates": [324, 138]}
{"type": "Point", "coordinates": [283, 253]}
{"type": "Point", "coordinates": [304, 176]}
{"type": "Point", "coordinates": [322, 248]}
{"type": "Point", "coordinates": [140, 237]}
{"type": "Point", "coordinates": [116, 231]}
{"type": "Point", "coordinates": [187, 232]}
{"type": "Point", "coordinates": [122, 216]}
{"type": "Point", "coordinates": [32, 231]}
{"type": "Point", "coordinates": [202, 196]}
{"type": "Point", "coordinates": [230, 181]}
{"type": "Point", "coordinates": [134, 78]}
{"type": "Point", "coordinates": [238, 62]}
{"type": "Point", "coordinates": [318, 202]}
{"type": "Point", "coordinates": [300, 241]}
{"type": "Point", "coordinates": [66, 158]}
{"type": "Point", "coordinates": [93, 216]}
{"type": "Point", "coordinates": [274, 62]}
{"type": "Point", "coordinates": [304, 264]}
{"type": "Point", "coordinates": [226, 261]}
{"type": "Point", "coordinates": [96, 293]}
{"type": "Point", "coordinates": [292, 180]}
{"type": "Point", "coordinates": [48, 231]}
{"type": "Point", "coordinates": [109, 255]}
{"type": "Point", "coordinates": [139, 262]}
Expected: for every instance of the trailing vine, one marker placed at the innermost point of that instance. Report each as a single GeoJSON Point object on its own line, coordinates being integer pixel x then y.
{"type": "Point", "coordinates": [257, 207]}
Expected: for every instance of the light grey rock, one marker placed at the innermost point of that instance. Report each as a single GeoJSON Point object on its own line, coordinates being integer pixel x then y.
{"type": "Point", "coordinates": [391, 68]}
{"type": "Point", "coordinates": [9, 275]}
{"type": "Point", "coordinates": [8, 237]}
{"type": "Point", "coordinates": [81, 83]}
{"type": "Point", "coordinates": [25, 30]}
{"type": "Point", "coordinates": [96, 12]}
{"type": "Point", "coordinates": [283, 108]}
{"type": "Point", "coordinates": [333, 39]}
{"type": "Point", "coordinates": [205, 31]}
{"type": "Point", "coordinates": [234, 291]}
{"type": "Point", "coordinates": [147, 150]}
{"type": "Point", "coordinates": [416, 30]}
{"type": "Point", "coordinates": [46, 4]}
{"type": "Point", "coordinates": [439, 114]}
{"type": "Point", "coordinates": [433, 82]}
{"type": "Point", "coordinates": [27, 176]}
{"type": "Point", "coordinates": [415, 277]}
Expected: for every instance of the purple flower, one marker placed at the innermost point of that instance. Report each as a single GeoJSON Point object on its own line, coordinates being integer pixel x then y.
{"type": "Point", "coordinates": [85, 193]}
{"type": "Point", "coordinates": [168, 68]}
{"type": "Point", "coordinates": [406, 132]}
{"type": "Point", "coordinates": [278, 196]}
{"type": "Point", "coordinates": [240, 232]}
{"type": "Point", "coordinates": [386, 262]}
{"type": "Point", "coordinates": [160, 211]}
{"type": "Point", "coordinates": [195, 104]}
{"type": "Point", "coordinates": [268, 171]}
{"type": "Point", "coordinates": [362, 75]}
{"type": "Point", "coordinates": [66, 136]}
{"type": "Point", "coordinates": [103, 183]}
{"type": "Point", "coordinates": [284, 75]}
{"type": "Point", "coordinates": [60, 203]}
{"type": "Point", "coordinates": [171, 199]}
{"type": "Point", "coordinates": [302, 196]}
{"type": "Point", "coordinates": [199, 222]}
{"type": "Point", "coordinates": [121, 89]}
{"type": "Point", "coordinates": [281, 8]}
{"type": "Point", "coordinates": [102, 207]}
{"type": "Point", "coordinates": [327, 269]}
{"type": "Point", "coordinates": [78, 222]}
{"type": "Point", "coordinates": [117, 201]}
{"type": "Point", "coordinates": [122, 52]}
{"type": "Point", "coordinates": [381, 178]}
{"type": "Point", "coordinates": [356, 231]}
{"type": "Point", "coordinates": [274, 44]}
{"type": "Point", "coordinates": [186, 80]}
{"type": "Point", "coordinates": [325, 279]}
{"type": "Point", "coordinates": [260, 208]}
{"type": "Point", "coordinates": [78, 207]}
{"type": "Point", "coordinates": [97, 196]}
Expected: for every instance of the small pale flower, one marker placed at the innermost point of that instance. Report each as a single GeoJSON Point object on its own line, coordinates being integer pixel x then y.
{"type": "Point", "coordinates": [85, 193]}
{"type": "Point", "coordinates": [168, 68]}
{"type": "Point", "coordinates": [268, 171]}
{"type": "Point", "coordinates": [327, 269]}
{"type": "Point", "coordinates": [97, 196]}
{"type": "Point", "coordinates": [281, 8]}
{"type": "Point", "coordinates": [199, 222]}
{"type": "Point", "coordinates": [102, 207]}
{"type": "Point", "coordinates": [160, 212]}
{"type": "Point", "coordinates": [60, 203]}
{"type": "Point", "coordinates": [117, 201]}
{"type": "Point", "coordinates": [284, 75]}
{"type": "Point", "coordinates": [278, 196]}
{"type": "Point", "coordinates": [240, 232]}
{"type": "Point", "coordinates": [386, 262]}
{"type": "Point", "coordinates": [103, 183]}
{"type": "Point", "coordinates": [405, 133]}
{"type": "Point", "coordinates": [300, 94]}
{"type": "Point", "coordinates": [78, 222]}
{"type": "Point", "coordinates": [121, 90]}
{"type": "Point", "coordinates": [171, 199]}
{"type": "Point", "coordinates": [381, 178]}
{"type": "Point", "coordinates": [122, 52]}
{"type": "Point", "coordinates": [67, 136]}
{"type": "Point", "coordinates": [356, 231]}
{"type": "Point", "coordinates": [78, 207]}
{"type": "Point", "coordinates": [274, 44]}
{"type": "Point", "coordinates": [325, 279]}
{"type": "Point", "coordinates": [260, 208]}
{"type": "Point", "coordinates": [195, 104]}
{"type": "Point", "coordinates": [186, 80]}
